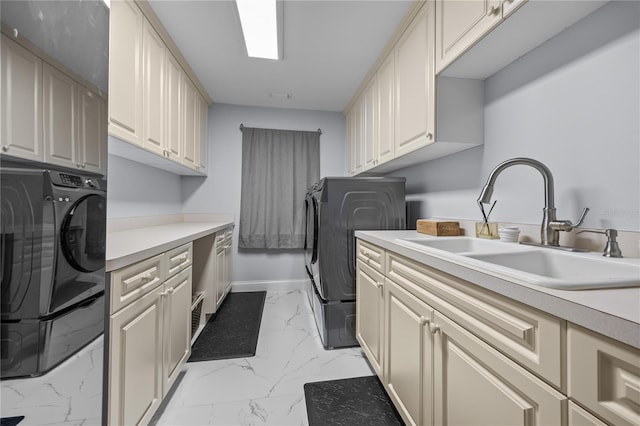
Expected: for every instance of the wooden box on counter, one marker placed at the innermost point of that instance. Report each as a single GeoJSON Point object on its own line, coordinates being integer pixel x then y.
{"type": "Point", "coordinates": [438, 228]}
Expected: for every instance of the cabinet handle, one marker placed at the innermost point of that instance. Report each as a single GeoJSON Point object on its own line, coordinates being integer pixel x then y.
{"type": "Point", "coordinates": [434, 328]}
{"type": "Point", "coordinates": [424, 321]}
{"type": "Point", "coordinates": [5, 148]}
{"type": "Point", "coordinates": [164, 293]}
{"type": "Point", "coordinates": [494, 11]}
{"type": "Point", "coordinates": [147, 277]}
{"type": "Point", "coordinates": [378, 284]}
{"type": "Point", "coordinates": [430, 136]}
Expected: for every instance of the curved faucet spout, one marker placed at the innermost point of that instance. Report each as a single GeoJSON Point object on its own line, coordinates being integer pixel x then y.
{"type": "Point", "coordinates": [487, 190]}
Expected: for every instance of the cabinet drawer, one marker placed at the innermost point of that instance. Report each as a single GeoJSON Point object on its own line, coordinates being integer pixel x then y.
{"type": "Point", "coordinates": [371, 255]}
{"type": "Point", "coordinates": [604, 376]}
{"type": "Point", "coordinates": [132, 282]}
{"type": "Point", "coordinates": [179, 258]}
{"type": "Point", "coordinates": [530, 337]}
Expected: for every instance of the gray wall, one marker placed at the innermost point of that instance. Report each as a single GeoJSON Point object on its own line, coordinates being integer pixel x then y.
{"type": "Point", "coordinates": [572, 103]}
{"type": "Point", "coordinates": [220, 191]}
{"type": "Point", "coordinates": [138, 190]}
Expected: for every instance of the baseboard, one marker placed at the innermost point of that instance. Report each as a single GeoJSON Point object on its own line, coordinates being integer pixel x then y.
{"type": "Point", "coordinates": [286, 285]}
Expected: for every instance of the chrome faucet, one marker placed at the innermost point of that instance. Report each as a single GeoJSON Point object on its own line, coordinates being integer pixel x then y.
{"type": "Point", "coordinates": [549, 230]}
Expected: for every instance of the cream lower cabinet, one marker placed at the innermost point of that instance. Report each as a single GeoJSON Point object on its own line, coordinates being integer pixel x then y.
{"type": "Point", "coordinates": [473, 384]}
{"type": "Point", "coordinates": [604, 376]}
{"type": "Point", "coordinates": [408, 354]}
{"type": "Point", "coordinates": [149, 334]}
{"type": "Point", "coordinates": [369, 310]}
{"type": "Point", "coordinates": [223, 266]}
{"type": "Point", "coordinates": [442, 371]}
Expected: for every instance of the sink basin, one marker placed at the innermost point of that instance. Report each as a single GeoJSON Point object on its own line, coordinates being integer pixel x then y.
{"type": "Point", "coordinates": [563, 270]}
{"type": "Point", "coordinates": [462, 245]}
{"type": "Point", "coordinates": [537, 266]}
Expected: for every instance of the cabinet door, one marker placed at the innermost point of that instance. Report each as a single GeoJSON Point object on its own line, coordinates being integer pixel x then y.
{"type": "Point", "coordinates": [386, 104]}
{"type": "Point", "coordinates": [369, 313]}
{"type": "Point", "coordinates": [177, 326]}
{"type": "Point", "coordinates": [476, 385]}
{"type": "Point", "coordinates": [227, 266]}
{"type": "Point", "coordinates": [203, 122]}
{"type": "Point", "coordinates": [190, 114]}
{"type": "Point", "coordinates": [220, 275]}
{"type": "Point", "coordinates": [135, 376]}
{"type": "Point", "coordinates": [173, 107]}
{"type": "Point", "coordinates": [125, 71]}
{"type": "Point", "coordinates": [60, 106]}
{"type": "Point", "coordinates": [369, 125]}
{"type": "Point", "coordinates": [351, 141]}
{"type": "Point", "coordinates": [92, 134]}
{"type": "Point", "coordinates": [415, 82]}
{"type": "Point", "coordinates": [604, 376]}
{"type": "Point", "coordinates": [21, 102]}
{"type": "Point", "coordinates": [358, 133]}
{"type": "Point", "coordinates": [460, 24]}
{"type": "Point", "coordinates": [153, 63]}
{"type": "Point", "coordinates": [580, 417]}
{"type": "Point", "coordinates": [408, 349]}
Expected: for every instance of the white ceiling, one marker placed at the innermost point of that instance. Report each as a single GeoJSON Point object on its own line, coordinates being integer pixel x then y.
{"type": "Point", "coordinates": [329, 46]}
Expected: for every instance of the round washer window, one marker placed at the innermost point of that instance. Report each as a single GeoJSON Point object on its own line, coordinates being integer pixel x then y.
{"type": "Point", "coordinates": [83, 233]}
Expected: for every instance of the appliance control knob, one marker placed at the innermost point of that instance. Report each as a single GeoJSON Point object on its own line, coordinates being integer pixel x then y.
{"type": "Point", "coordinates": [90, 182]}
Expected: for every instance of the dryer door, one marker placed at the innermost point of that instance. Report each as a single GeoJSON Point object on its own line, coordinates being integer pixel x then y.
{"type": "Point", "coordinates": [83, 233]}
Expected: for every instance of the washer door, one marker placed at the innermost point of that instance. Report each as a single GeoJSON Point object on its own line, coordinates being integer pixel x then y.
{"type": "Point", "coordinates": [83, 233]}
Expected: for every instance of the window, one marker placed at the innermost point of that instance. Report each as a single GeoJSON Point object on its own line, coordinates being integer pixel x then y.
{"type": "Point", "coordinates": [278, 166]}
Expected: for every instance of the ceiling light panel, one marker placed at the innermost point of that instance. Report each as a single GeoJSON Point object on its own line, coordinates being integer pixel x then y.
{"type": "Point", "coordinates": [259, 21]}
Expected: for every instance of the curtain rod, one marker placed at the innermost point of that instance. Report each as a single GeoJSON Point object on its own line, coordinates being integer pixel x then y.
{"type": "Point", "coordinates": [242, 127]}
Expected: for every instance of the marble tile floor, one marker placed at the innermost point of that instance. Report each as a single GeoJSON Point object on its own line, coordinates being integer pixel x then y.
{"type": "Point", "coordinates": [266, 389]}
{"type": "Point", "coordinates": [68, 395]}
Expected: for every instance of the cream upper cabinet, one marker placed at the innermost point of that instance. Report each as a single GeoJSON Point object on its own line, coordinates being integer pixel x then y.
{"type": "Point", "coordinates": [385, 78]}
{"type": "Point", "coordinates": [173, 107]}
{"type": "Point", "coordinates": [415, 84]}
{"type": "Point", "coordinates": [355, 137]}
{"type": "Point", "coordinates": [369, 125]}
{"type": "Point", "coordinates": [153, 66]}
{"type": "Point", "coordinates": [74, 123]}
{"type": "Point", "coordinates": [126, 23]}
{"type": "Point", "coordinates": [462, 23]}
{"type": "Point", "coordinates": [155, 104]}
{"type": "Point", "coordinates": [476, 385]}
{"type": "Point", "coordinates": [190, 146]}
{"type": "Point", "coordinates": [408, 351]}
{"type": "Point", "coordinates": [604, 376]}
{"type": "Point", "coordinates": [60, 109]}
{"type": "Point", "coordinates": [21, 102]}
{"type": "Point", "coordinates": [369, 310]}
{"type": "Point", "coordinates": [92, 131]}
{"type": "Point", "coordinates": [203, 123]}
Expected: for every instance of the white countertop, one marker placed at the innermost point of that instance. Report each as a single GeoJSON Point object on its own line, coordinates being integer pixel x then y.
{"type": "Point", "coordinates": [612, 312]}
{"type": "Point", "coordinates": [133, 245]}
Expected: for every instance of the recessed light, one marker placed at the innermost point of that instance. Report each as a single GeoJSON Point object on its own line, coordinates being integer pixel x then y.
{"type": "Point", "coordinates": [259, 21]}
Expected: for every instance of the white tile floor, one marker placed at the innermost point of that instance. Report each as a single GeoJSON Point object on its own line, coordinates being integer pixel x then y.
{"type": "Point", "coordinates": [266, 389]}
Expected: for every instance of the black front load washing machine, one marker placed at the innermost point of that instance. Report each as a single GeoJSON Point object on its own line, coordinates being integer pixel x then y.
{"type": "Point", "coordinates": [52, 266]}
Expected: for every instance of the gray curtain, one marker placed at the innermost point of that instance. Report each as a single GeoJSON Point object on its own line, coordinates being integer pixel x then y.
{"type": "Point", "coordinates": [277, 168]}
